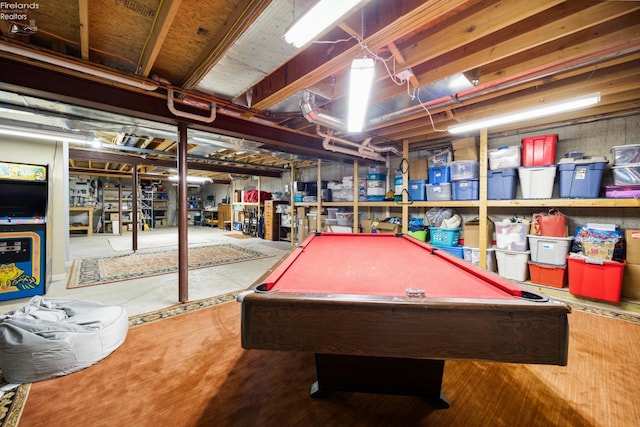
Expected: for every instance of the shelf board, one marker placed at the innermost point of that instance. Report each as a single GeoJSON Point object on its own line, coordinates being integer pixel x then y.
{"type": "Point", "coordinates": [623, 203]}
{"type": "Point", "coordinates": [569, 203]}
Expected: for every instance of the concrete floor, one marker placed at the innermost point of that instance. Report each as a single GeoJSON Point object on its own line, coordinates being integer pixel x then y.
{"type": "Point", "coordinates": [153, 293]}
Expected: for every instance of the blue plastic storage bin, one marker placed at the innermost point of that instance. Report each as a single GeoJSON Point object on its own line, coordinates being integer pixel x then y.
{"type": "Point", "coordinates": [501, 184]}
{"type": "Point", "coordinates": [466, 189]}
{"type": "Point", "coordinates": [439, 174]}
{"type": "Point", "coordinates": [418, 189]}
{"type": "Point", "coordinates": [580, 178]}
{"type": "Point", "coordinates": [454, 250]}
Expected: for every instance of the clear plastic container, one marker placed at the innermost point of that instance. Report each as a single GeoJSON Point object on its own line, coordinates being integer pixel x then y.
{"type": "Point", "coordinates": [505, 157]}
{"type": "Point", "coordinates": [625, 154]}
{"type": "Point", "coordinates": [437, 192]}
{"type": "Point", "coordinates": [465, 169]}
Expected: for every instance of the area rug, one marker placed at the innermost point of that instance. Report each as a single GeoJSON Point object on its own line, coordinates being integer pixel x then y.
{"type": "Point", "coordinates": [91, 271]}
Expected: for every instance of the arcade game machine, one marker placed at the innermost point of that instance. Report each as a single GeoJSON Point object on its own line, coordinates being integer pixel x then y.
{"type": "Point", "coordinates": [23, 209]}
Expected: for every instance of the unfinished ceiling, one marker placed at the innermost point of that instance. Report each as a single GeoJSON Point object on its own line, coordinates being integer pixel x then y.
{"type": "Point", "coordinates": [129, 71]}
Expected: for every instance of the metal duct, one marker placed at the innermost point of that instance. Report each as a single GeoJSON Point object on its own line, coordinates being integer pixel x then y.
{"type": "Point", "coordinates": [360, 149]}
{"type": "Point", "coordinates": [313, 115]}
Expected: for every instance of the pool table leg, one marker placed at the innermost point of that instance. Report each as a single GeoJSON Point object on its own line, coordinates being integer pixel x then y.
{"type": "Point", "coordinates": [386, 375]}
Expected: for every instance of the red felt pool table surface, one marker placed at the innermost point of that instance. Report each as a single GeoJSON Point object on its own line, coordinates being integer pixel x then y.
{"type": "Point", "coordinates": [383, 264]}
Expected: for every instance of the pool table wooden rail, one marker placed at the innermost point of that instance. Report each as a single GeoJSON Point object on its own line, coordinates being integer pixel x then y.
{"type": "Point", "coordinates": [517, 331]}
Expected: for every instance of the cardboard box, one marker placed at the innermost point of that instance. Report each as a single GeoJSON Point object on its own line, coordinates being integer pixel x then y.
{"type": "Point", "coordinates": [465, 149]}
{"type": "Point", "coordinates": [471, 233]}
{"type": "Point", "coordinates": [114, 217]}
{"type": "Point", "coordinates": [303, 224]}
{"type": "Point", "coordinates": [632, 238]}
{"type": "Point", "coordinates": [368, 226]}
{"type": "Point", "coordinates": [418, 169]}
{"type": "Point", "coordinates": [386, 227]}
{"type": "Point", "coordinates": [631, 282]}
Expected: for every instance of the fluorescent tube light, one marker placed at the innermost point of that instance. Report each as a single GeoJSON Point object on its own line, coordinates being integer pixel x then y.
{"type": "Point", "coordinates": [360, 80]}
{"type": "Point", "coordinates": [192, 179]}
{"type": "Point", "coordinates": [530, 114]}
{"type": "Point", "coordinates": [317, 19]}
{"type": "Point", "coordinates": [48, 135]}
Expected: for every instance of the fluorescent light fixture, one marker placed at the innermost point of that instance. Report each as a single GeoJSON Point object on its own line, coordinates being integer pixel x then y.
{"type": "Point", "coordinates": [48, 135]}
{"type": "Point", "coordinates": [192, 179]}
{"type": "Point", "coordinates": [317, 19]}
{"type": "Point", "coordinates": [361, 78]}
{"type": "Point", "coordinates": [530, 114]}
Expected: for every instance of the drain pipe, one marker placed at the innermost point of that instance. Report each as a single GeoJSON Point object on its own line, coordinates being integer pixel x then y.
{"type": "Point", "coordinates": [176, 112]}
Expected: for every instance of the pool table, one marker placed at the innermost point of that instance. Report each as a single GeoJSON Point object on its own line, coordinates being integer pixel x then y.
{"type": "Point", "coordinates": [382, 312]}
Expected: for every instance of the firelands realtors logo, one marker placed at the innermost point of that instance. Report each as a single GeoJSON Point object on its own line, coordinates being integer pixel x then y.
{"type": "Point", "coordinates": [18, 16]}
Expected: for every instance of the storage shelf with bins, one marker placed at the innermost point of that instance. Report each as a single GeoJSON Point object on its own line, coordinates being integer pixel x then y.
{"type": "Point", "coordinates": [154, 205]}
{"type": "Point", "coordinates": [117, 201]}
{"type": "Point", "coordinates": [194, 205]}
{"type": "Point", "coordinates": [481, 207]}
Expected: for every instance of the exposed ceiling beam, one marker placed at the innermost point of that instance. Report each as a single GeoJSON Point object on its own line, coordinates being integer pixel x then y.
{"type": "Point", "coordinates": [83, 12]}
{"type": "Point", "coordinates": [26, 78]}
{"type": "Point", "coordinates": [161, 26]}
{"type": "Point", "coordinates": [393, 21]}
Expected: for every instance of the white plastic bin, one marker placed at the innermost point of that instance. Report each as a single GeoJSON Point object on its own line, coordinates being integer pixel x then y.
{"type": "Point", "coordinates": [536, 182]}
{"type": "Point", "coordinates": [513, 265]}
{"type": "Point", "coordinates": [549, 250]}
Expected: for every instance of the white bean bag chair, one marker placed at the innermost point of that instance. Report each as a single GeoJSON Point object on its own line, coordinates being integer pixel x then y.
{"type": "Point", "coordinates": [48, 338]}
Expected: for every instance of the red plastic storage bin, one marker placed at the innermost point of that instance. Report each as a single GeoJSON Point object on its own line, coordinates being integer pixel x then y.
{"type": "Point", "coordinates": [598, 281]}
{"type": "Point", "coordinates": [539, 150]}
{"type": "Point", "coordinates": [547, 274]}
